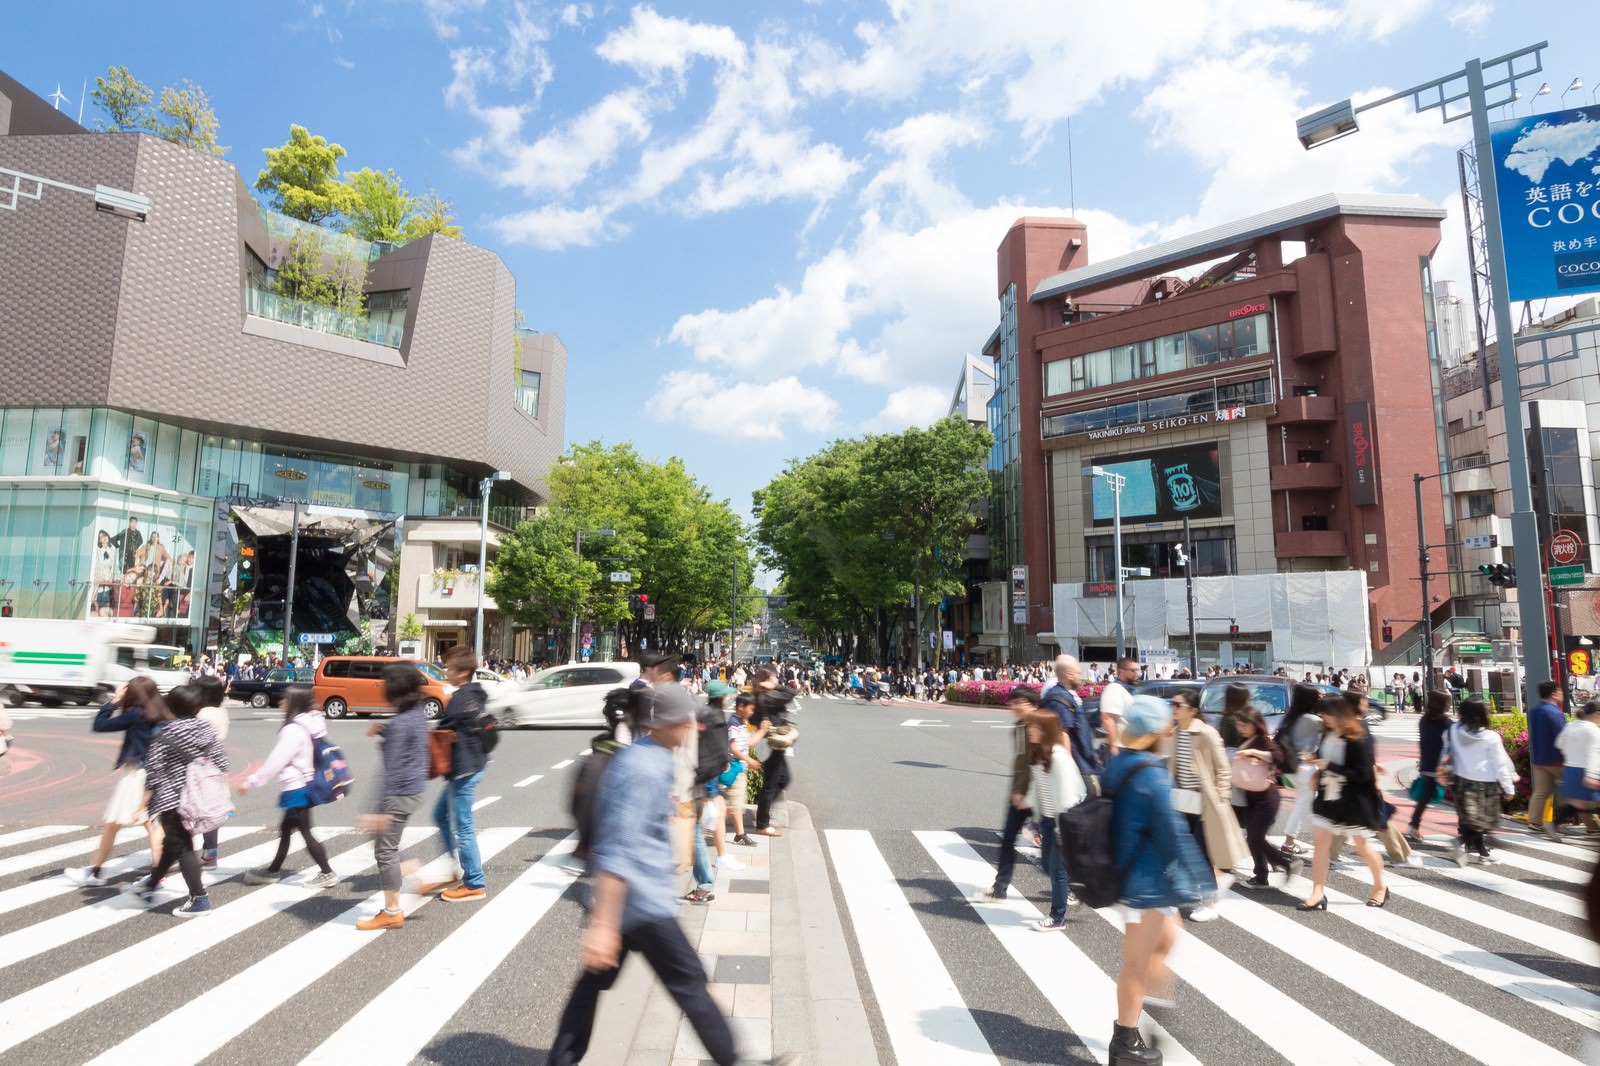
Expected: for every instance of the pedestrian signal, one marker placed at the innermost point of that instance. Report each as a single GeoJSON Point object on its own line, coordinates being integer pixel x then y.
{"type": "Point", "coordinates": [1388, 633]}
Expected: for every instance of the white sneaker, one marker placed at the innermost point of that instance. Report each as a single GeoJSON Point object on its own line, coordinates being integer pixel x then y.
{"type": "Point", "coordinates": [1224, 883]}
{"type": "Point", "coordinates": [730, 862]}
{"type": "Point", "coordinates": [323, 880]}
{"type": "Point", "coordinates": [1203, 913]}
{"type": "Point", "coordinates": [84, 875]}
{"type": "Point", "coordinates": [1415, 859]}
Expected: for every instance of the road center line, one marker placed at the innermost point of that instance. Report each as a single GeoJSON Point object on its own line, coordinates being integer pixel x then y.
{"type": "Point", "coordinates": [562, 765]}
{"type": "Point", "coordinates": [481, 804]}
{"type": "Point", "coordinates": [526, 781]}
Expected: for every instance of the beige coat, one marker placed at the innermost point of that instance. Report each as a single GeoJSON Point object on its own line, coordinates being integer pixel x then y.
{"type": "Point", "coordinates": [1225, 844]}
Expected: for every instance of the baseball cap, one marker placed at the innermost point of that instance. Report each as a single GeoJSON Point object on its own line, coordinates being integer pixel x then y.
{"type": "Point", "coordinates": [668, 705]}
{"type": "Point", "coordinates": [718, 689]}
{"type": "Point", "coordinates": [1145, 715]}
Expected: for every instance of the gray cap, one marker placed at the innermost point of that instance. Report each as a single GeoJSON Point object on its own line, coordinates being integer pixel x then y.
{"type": "Point", "coordinates": [670, 704]}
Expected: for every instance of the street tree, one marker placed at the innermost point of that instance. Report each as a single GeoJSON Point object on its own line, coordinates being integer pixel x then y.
{"type": "Point", "coordinates": [185, 116]}
{"type": "Point", "coordinates": [301, 178]}
{"type": "Point", "coordinates": [125, 100]}
{"type": "Point", "coordinates": [431, 214]}
{"type": "Point", "coordinates": [378, 206]}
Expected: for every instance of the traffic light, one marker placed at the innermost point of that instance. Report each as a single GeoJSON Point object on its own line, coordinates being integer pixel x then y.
{"type": "Point", "coordinates": [5, 609]}
{"type": "Point", "coordinates": [247, 570]}
{"type": "Point", "coordinates": [1233, 629]}
{"type": "Point", "coordinates": [1499, 574]}
{"type": "Point", "coordinates": [1388, 633]}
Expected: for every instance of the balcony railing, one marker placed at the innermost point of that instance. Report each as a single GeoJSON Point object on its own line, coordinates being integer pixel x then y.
{"type": "Point", "coordinates": [1302, 476]}
{"type": "Point", "coordinates": [322, 319]}
{"type": "Point", "coordinates": [1308, 409]}
{"type": "Point", "coordinates": [1310, 544]}
{"type": "Point", "coordinates": [343, 245]}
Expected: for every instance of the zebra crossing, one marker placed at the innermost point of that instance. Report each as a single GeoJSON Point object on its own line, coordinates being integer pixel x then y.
{"type": "Point", "coordinates": [1483, 964]}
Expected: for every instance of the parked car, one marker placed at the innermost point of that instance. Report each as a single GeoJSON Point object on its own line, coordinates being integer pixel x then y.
{"type": "Point", "coordinates": [1166, 688]}
{"type": "Point", "coordinates": [1269, 694]}
{"type": "Point", "coordinates": [353, 684]}
{"type": "Point", "coordinates": [569, 695]}
{"type": "Point", "coordinates": [261, 691]}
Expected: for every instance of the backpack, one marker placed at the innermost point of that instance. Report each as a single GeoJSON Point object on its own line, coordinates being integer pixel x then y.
{"type": "Point", "coordinates": [205, 803]}
{"type": "Point", "coordinates": [1087, 760]}
{"type": "Point", "coordinates": [1089, 846]}
{"type": "Point", "coordinates": [1288, 757]}
{"type": "Point", "coordinates": [586, 783]}
{"type": "Point", "coordinates": [330, 775]}
{"type": "Point", "coordinates": [714, 749]}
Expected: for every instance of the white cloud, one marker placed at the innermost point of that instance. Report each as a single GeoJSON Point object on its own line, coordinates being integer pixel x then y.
{"type": "Point", "coordinates": [1381, 18]}
{"type": "Point", "coordinates": [764, 410]}
{"type": "Point", "coordinates": [567, 155]}
{"type": "Point", "coordinates": [576, 14]}
{"type": "Point", "coordinates": [442, 15]}
{"type": "Point", "coordinates": [348, 64]}
{"type": "Point", "coordinates": [553, 227]}
{"type": "Point", "coordinates": [908, 184]}
{"type": "Point", "coordinates": [651, 44]}
{"type": "Point", "coordinates": [914, 405]}
{"type": "Point", "coordinates": [1472, 17]}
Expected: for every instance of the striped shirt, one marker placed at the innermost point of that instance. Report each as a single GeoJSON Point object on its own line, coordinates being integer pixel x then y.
{"type": "Point", "coordinates": [1183, 774]}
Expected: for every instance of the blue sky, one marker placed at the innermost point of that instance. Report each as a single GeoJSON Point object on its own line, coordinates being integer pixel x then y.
{"type": "Point", "coordinates": [759, 227]}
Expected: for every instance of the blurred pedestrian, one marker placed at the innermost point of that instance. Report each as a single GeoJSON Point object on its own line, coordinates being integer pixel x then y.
{"type": "Point", "coordinates": [293, 761]}
{"type": "Point", "coordinates": [1301, 730]}
{"type": "Point", "coordinates": [1347, 801]}
{"type": "Point", "coordinates": [1202, 785]}
{"type": "Point", "coordinates": [1579, 743]}
{"type": "Point", "coordinates": [177, 744]}
{"type": "Point", "coordinates": [136, 710]}
{"type": "Point", "coordinates": [1021, 703]}
{"type": "Point", "coordinates": [403, 746]}
{"type": "Point", "coordinates": [213, 714]}
{"type": "Point", "coordinates": [458, 833]}
{"type": "Point", "coordinates": [1054, 786]}
{"type": "Point", "coordinates": [1545, 722]}
{"type": "Point", "coordinates": [1475, 757]}
{"type": "Point", "coordinates": [1431, 729]}
{"type": "Point", "coordinates": [1260, 786]}
{"type": "Point", "coordinates": [737, 792]}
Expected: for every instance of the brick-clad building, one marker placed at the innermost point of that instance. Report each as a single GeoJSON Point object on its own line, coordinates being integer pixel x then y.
{"type": "Point", "coordinates": [1280, 396]}
{"type": "Point", "coordinates": [149, 367]}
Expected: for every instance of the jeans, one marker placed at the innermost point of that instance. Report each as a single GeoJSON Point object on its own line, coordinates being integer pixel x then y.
{"type": "Point", "coordinates": [774, 779]}
{"type": "Point", "coordinates": [453, 815]}
{"type": "Point", "coordinates": [1054, 857]}
{"type": "Point", "coordinates": [1303, 795]}
{"type": "Point", "coordinates": [705, 872]}
{"type": "Point", "coordinates": [670, 955]}
{"type": "Point", "coordinates": [1260, 808]}
{"type": "Point", "coordinates": [1015, 820]}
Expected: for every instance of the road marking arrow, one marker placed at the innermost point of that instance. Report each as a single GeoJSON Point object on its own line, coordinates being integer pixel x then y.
{"type": "Point", "coordinates": [923, 722]}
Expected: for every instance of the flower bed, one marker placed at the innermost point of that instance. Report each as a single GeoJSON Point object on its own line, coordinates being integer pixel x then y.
{"type": "Point", "coordinates": [985, 693]}
{"type": "Point", "coordinates": [1513, 730]}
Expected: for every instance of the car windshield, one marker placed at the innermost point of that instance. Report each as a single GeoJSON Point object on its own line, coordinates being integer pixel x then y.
{"type": "Point", "coordinates": [1268, 697]}
{"type": "Point", "coordinates": [431, 670]}
{"type": "Point", "coordinates": [550, 679]}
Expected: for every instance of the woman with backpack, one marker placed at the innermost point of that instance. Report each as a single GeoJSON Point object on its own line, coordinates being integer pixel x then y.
{"type": "Point", "coordinates": [136, 711]}
{"type": "Point", "coordinates": [293, 761]}
{"type": "Point", "coordinates": [1476, 757]}
{"type": "Point", "coordinates": [179, 743]}
{"type": "Point", "coordinates": [1431, 730]}
{"type": "Point", "coordinates": [453, 812]}
{"type": "Point", "coordinates": [1258, 762]}
{"type": "Point", "coordinates": [1162, 870]}
{"type": "Point", "coordinates": [1054, 786]}
{"type": "Point", "coordinates": [403, 744]}
{"type": "Point", "coordinates": [1298, 736]}
{"type": "Point", "coordinates": [1347, 800]}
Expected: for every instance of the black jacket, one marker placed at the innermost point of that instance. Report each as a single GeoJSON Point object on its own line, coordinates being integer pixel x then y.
{"type": "Point", "coordinates": [1354, 800]}
{"type": "Point", "coordinates": [461, 714]}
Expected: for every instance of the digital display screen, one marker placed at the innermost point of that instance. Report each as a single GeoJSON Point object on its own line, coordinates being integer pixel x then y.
{"type": "Point", "coordinates": [1164, 486]}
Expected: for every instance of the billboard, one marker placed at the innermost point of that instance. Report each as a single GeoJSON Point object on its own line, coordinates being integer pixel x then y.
{"type": "Point", "coordinates": [1163, 486]}
{"type": "Point", "coordinates": [1548, 171]}
{"type": "Point", "coordinates": [1363, 454]}
{"type": "Point", "coordinates": [142, 569]}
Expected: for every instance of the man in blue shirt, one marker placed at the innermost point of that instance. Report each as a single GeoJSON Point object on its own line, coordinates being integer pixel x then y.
{"type": "Point", "coordinates": [634, 902]}
{"type": "Point", "coordinates": [1545, 722]}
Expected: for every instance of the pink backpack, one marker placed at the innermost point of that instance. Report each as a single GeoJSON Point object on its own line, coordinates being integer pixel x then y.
{"type": "Point", "coordinates": [205, 803]}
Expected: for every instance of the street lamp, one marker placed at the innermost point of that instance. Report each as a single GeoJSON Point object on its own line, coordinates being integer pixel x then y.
{"type": "Point", "coordinates": [1446, 95]}
{"type": "Point", "coordinates": [1576, 86]}
{"type": "Point", "coordinates": [1115, 483]}
{"type": "Point", "coordinates": [579, 542]}
{"type": "Point", "coordinates": [1183, 554]}
{"type": "Point", "coordinates": [483, 551]}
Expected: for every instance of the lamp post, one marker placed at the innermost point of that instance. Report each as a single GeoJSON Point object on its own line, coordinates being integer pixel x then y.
{"type": "Point", "coordinates": [1576, 86]}
{"type": "Point", "coordinates": [1445, 95]}
{"type": "Point", "coordinates": [579, 539]}
{"type": "Point", "coordinates": [1115, 482]}
{"type": "Point", "coordinates": [483, 551]}
{"type": "Point", "coordinates": [1185, 556]}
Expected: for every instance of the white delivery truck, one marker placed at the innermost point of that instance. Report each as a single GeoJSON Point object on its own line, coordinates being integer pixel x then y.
{"type": "Point", "coordinates": [56, 661]}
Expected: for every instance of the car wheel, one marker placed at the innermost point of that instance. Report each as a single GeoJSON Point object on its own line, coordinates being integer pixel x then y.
{"type": "Point", "coordinates": [334, 707]}
{"type": "Point", "coordinates": [49, 701]}
{"type": "Point", "coordinates": [259, 699]}
{"type": "Point", "coordinates": [15, 698]}
{"type": "Point", "coordinates": [432, 708]}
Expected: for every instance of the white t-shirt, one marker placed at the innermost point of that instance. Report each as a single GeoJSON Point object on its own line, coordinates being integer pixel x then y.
{"type": "Point", "coordinates": [1114, 699]}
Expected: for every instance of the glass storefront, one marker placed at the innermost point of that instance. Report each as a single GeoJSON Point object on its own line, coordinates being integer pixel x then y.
{"type": "Point", "coordinates": [1239, 338]}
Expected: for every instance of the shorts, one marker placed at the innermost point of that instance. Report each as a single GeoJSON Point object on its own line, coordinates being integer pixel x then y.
{"type": "Point", "coordinates": [1130, 915]}
{"type": "Point", "coordinates": [738, 791]}
{"type": "Point", "coordinates": [126, 806]}
{"type": "Point", "coordinates": [1573, 788]}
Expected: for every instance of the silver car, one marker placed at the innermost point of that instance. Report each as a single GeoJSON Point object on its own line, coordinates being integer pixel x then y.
{"type": "Point", "coordinates": [569, 695]}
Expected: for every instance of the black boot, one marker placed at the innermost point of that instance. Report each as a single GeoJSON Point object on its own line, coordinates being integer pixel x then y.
{"type": "Point", "coordinates": [1128, 1048]}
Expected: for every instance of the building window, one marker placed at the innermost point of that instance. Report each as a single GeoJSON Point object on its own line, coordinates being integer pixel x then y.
{"type": "Point", "coordinates": [388, 309]}
{"type": "Point", "coordinates": [1480, 504]}
{"type": "Point", "coordinates": [1314, 523]}
{"type": "Point", "coordinates": [528, 392]}
{"type": "Point", "coordinates": [1238, 339]}
{"type": "Point", "coordinates": [1172, 405]}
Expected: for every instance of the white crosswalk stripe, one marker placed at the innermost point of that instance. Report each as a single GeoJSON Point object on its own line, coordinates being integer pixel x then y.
{"type": "Point", "coordinates": [1265, 977]}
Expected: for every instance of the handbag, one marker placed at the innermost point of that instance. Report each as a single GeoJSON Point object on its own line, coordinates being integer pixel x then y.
{"type": "Point", "coordinates": [1251, 775]}
{"type": "Point", "coordinates": [1420, 787]}
{"type": "Point", "coordinates": [1186, 800]}
{"type": "Point", "coordinates": [731, 774]}
{"type": "Point", "coordinates": [440, 743]}
{"type": "Point", "coordinates": [782, 737]}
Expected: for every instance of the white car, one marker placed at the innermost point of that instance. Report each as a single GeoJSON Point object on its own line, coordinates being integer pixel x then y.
{"type": "Point", "coordinates": [493, 684]}
{"type": "Point", "coordinates": [573, 694]}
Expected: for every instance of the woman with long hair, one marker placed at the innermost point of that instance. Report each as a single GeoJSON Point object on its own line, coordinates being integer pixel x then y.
{"type": "Point", "coordinates": [1261, 805]}
{"type": "Point", "coordinates": [136, 711]}
{"type": "Point", "coordinates": [1302, 729]}
{"type": "Point", "coordinates": [1476, 757]}
{"type": "Point", "coordinates": [1431, 730]}
{"type": "Point", "coordinates": [1054, 786]}
{"type": "Point", "coordinates": [1202, 787]}
{"type": "Point", "coordinates": [293, 761]}
{"type": "Point", "coordinates": [1346, 803]}
{"type": "Point", "coordinates": [1235, 700]}
{"type": "Point", "coordinates": [180, 742]}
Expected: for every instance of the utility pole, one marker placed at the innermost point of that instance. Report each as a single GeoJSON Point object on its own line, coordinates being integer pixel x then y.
{"type": "Point", "coordinates": [288, 599]}
{"type": "Point", "coordinates": [1188, 592]}
{"type": "Point", "coordinates": [1427, 604]}
{"type": "Point", "coordinates": [733, 619]}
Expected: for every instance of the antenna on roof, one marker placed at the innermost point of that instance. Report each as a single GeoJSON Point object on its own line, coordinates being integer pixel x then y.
{"type": "Point", "coordinates": [1072, 185]}
{"type": "Point", "coordinates": [82, 95]}
{"type": "Point", "coordinates": [58, 96]}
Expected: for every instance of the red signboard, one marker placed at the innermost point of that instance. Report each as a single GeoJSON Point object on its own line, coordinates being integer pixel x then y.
{"type": "Point", "coordinates": [1565, 548]}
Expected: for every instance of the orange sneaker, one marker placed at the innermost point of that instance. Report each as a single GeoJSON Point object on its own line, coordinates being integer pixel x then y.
{"type": "Point", "coordinates": [382, 920]}
{"type": "Point", "coordinates": [463, 894]}
{"type": "Point", "coordinates": [428, 888]}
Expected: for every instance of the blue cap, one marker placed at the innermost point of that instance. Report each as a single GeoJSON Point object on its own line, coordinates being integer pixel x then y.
{"type": "Point", "coordinates": [1145, 715]}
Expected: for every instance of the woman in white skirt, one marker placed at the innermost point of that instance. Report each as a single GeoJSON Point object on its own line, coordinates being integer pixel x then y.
{"type": "Point", "coordinates": [1303, 733]}
{"type": "Point", "coordinates": [136, 711]}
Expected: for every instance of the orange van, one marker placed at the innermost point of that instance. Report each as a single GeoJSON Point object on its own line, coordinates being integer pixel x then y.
{"type": "Point", "coordinates": [353, 684]}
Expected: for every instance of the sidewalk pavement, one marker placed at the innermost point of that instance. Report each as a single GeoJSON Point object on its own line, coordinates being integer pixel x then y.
{"type": "Point", "coordinates": [774, 947]}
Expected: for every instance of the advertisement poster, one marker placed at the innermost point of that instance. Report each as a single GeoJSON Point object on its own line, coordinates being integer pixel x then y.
{"type": "Point", "coordinates": [1163, 486]}
{"type": "Point", "coordinates": [1548, 171]}
{"type": "Point", "coordinates": [1363, 455]}
{"type": "Point", "coordinates": [138, 448]}
{"type": "Point", "coordinates": [55, 443]}
{"type": "Point", "coordinates": [142, 569]}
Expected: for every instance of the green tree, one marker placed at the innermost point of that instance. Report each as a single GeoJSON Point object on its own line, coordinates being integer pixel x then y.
{"type": "Point", "coordinates": [310, 273]}
{"type": "Point", "coordinates": [431, 215]}
{"type": "Point", "coordinates": [125, 100]}
{"type": "Point", "coordinates": [378, 206]}
{"type": "Point", "coordinates": [185, 116]}
{"type": "Point", "coordinates": [301, 178]}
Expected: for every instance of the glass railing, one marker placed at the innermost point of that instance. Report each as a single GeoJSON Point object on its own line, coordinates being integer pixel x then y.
{"type": "Point", "coordinates": [1209, 399]}
{"type": "Point", "coordinates": [320, 318]}
{"type": "Point", "coordinates": [341, 245]}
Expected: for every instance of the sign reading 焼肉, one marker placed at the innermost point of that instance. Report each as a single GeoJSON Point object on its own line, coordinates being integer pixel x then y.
{"type": "Point", "coordinates": [1549, 197]}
